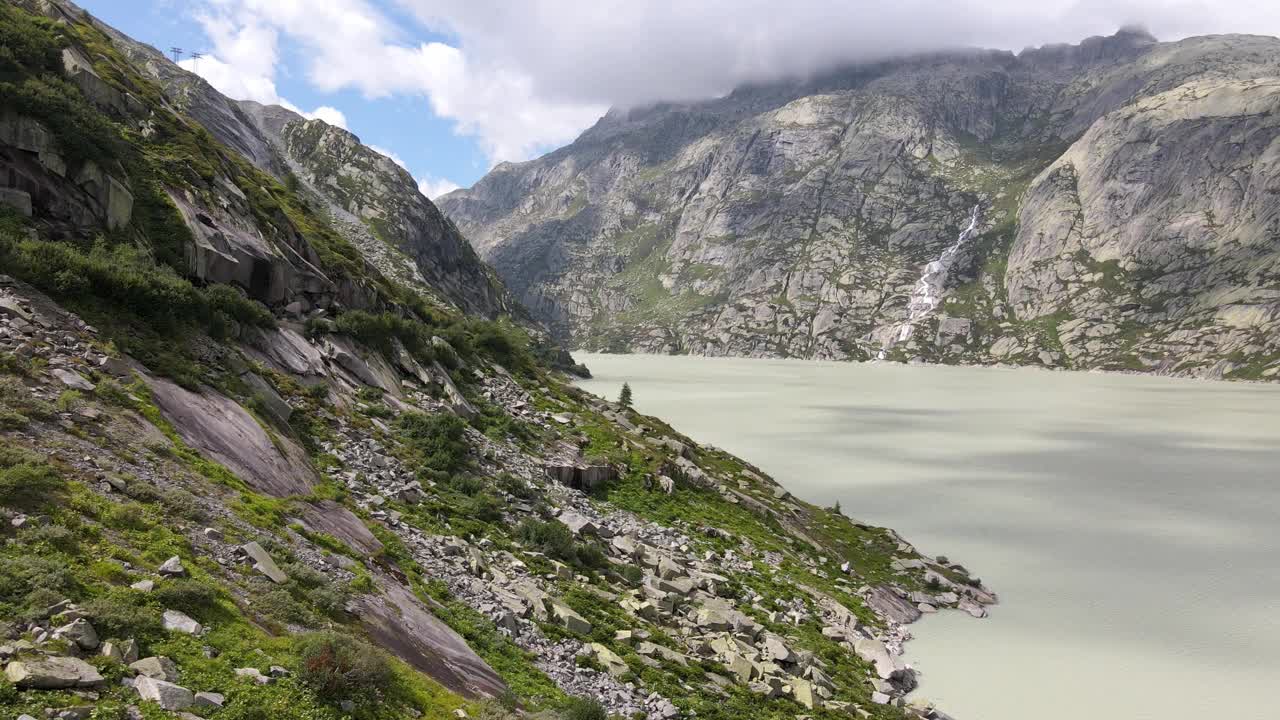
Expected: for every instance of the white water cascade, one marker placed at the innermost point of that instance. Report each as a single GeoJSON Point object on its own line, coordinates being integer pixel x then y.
{"type": "Point", "coordinates": [927, 294]}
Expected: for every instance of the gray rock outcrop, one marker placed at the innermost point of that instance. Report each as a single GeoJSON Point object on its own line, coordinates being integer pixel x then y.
{"type": "Point", "coordinates": [1123, 186]}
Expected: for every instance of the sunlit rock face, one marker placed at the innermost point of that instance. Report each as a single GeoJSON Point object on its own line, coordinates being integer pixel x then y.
{"type": "Point", "coordinates": [1121, 186]}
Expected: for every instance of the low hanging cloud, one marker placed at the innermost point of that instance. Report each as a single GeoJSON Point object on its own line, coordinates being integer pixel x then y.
{"type": "Point", "coordinates": [433, 187]}
{"type": "Point", "coordinates": [522, 77]}
{"type": "Point", "coordinates": [623, 52]}
{"type": "Point", "coordinates": [244, 65]}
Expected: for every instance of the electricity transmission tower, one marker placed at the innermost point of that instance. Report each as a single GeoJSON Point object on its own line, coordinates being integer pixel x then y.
{"type": "Point", "coordinates": [195, 60]}
{"type": "Point", "coordinates": [177, 53]}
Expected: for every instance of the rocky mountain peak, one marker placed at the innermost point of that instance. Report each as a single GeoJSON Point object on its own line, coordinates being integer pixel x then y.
{"type": "Point", "coordinates": [795, 218]}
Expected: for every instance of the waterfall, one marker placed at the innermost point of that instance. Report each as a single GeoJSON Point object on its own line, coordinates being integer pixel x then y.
{"type": "Point", "coordinates": [927, 294]}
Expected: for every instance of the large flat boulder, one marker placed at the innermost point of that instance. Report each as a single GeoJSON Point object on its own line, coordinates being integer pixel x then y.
{"type": "Point", "coordinates": [263, 562]}
{"type": "Point", "coordinates": [285, 349]}
{"type": "Point", "coordinates": [887, 603]}
{"type": "Point", "coordinates": [165, 694]}
{"type": "Point", "coordinates": [399, 622]}
{"type": "Point", "coordinates": [330, 518]}
{"type": "Point", "coordinates": [53, 673]}
{"type": "Point", "coordinates": [225, 432]}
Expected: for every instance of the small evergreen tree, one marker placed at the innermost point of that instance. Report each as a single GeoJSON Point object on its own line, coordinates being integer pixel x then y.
{"type": "Point", "coordinates": [624, 397]}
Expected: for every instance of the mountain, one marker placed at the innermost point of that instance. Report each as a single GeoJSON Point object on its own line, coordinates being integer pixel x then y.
{"type": "Point", "coordinates": [1124, 189]}
{"type": "Point", "coordinates": [275, 443]}
{"type": "Point", "coordinates": [370, 201]}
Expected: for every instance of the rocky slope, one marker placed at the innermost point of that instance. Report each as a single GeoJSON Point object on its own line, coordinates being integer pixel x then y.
{"type": "Point", "coordinates": [1126, 191]}
{"type": "Point", "coordinates": [370, 201]}
{"type": "Point", "coordinates": [246, 471]}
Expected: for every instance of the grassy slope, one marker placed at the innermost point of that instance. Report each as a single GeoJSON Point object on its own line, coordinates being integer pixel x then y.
{"type": "Point", "coordinates": [90, 533]}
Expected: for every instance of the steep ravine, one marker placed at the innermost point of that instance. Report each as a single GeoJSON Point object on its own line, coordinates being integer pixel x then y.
{"type": "Point", "coordinates": [1131, 224]}
{"type": "Point", "coordinates": [252, 466]}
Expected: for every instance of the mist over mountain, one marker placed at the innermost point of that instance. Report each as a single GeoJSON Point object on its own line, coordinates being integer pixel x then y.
{"type": "Point", "coordinates": [1122, 187]}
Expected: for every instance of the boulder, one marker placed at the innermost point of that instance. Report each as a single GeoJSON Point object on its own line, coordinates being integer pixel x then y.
{"type": "Point", "coordinates": [876, 653]}
{"type": "Point", "coordinates": [209, 700]}
{"type": "Point", "coordinates": [886, 602]}
{"type": "Point", "coordinates": [263, 563]}
{"type": "Point", "coordinates": [19, 200]}
{"type": "Point", "coordinates": [775, 649]}
{"type": "Point", "coordinates": [156, 667]}
{"type": "Point", "coordinates": [172, 567]}
{"type": "Point", "coordinates": [165, 694]}
{"type": "Point", "coordinates": [125, 651]}
{"type": "Point", "coordinates": [331, 518]}
{"type": "Point", "coordinates": [608, 659]}
{"type": "Point", "coordinates": [72, 379]}
{"type": "Point", "coordinates": [79, 632]}
{"type": "Point", "coordinates": [802, 691]}
{"type": "Point", "coordinates": [398, 621]}
{"type": "Point", "coordinates": [578, 523]}
{"type": "Point", "coordinates": [226, 433]}
{"type": "Point", "coordinates": [742, 667]}
{"type": "Point", "coordinates": [570, 620]}
{"type": "Point", "coordinates": [53, 673]}
{"type": "Point", "coordinates": [176, 621]}
{"type": "Point", "coordinates": [255, 675]}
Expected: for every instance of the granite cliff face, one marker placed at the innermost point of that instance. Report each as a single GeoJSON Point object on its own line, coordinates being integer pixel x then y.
{"type": "Point", "coordinates": [1126, 191]}
{"type": "Point", "coordinates": [370, 201]}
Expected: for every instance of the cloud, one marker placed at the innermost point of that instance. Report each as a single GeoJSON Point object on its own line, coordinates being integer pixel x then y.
{"type": "Point", "coordinates": [433, 188]}
{"type": "Point", "coordinates": [495, 104]}
{"type": "Point", "coordinates": [232, 81]}
{"type": "Point", "coordinates": [524, 77]}
{"type": "Point", "coordinates": [331, 115]}
{"type": "Point", "coordinates": [389, 155]}
{"type": "Point", "coordinates": [622, 52]}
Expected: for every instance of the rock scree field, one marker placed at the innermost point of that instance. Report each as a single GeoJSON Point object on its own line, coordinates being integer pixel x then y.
{"type": "Point", "coordinates": [275, 443]}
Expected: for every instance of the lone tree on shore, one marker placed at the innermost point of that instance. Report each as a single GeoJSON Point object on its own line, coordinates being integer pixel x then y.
{"type": "Point", "coordinates": [624, 397]}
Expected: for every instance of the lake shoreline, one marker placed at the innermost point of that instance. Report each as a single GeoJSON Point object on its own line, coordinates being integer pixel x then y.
{"type": "Point", "coordinates": [1080, 495]}
{"type": "Point", "coordinates": [1273, 382]}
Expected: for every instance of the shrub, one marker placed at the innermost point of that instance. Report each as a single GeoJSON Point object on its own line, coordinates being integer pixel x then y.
{"type": "Point", "coordinates": [552, 537]}
{"type": "Point", "coordinates": [28, 485]}
{"type": "Point", "coordinates": [466, 484]}
{"type": "Point", "coordinates": [183, 503]}
{"type": "Point", "coordinates": [8, 691]}
{"type": "Point", "coordinates": [504, 343]}
{"type": "Point", "coordinates": [12, 419]}
{"type": "Point", "coordinates": [23, 576]}
{"type": "Point", "coordinates": [338, 667]}
{"type": "Point", "coordinates": [631, 574]}
{"type": "Point", "coordinates": [55, 537]}
{"type": "Point", "coordinates": [584, 709]}
{"type": "Point", "coordinates": [438, 441]}
{"type": "Point", "coordinates": [113, 393]}
{"type": "Point", "coordinates": [186, 594]}
{"type": "Point", "coordinates": [125, 516]}
{"type": "Point", "coordinates": [69, 400]}
{"type": "Point", "coordinates": [556, 540]}
{"type": "Point", "coordinates": [515, 486]}
{"type": "Point", "coordinates": [279, 605]}
{"type": "Point", "coordinates": [122, 614]}
{"type": "Point", "coordinates": [483, 507]}
{"type": "Point", "coordinates": [109, 571]}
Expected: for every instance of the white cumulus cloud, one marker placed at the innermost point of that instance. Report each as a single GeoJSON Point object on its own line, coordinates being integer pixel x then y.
{"type": "Point", "coordinates": [525, 76]}
{"type": "Point", "coordinates": [389, 155]}
{"type": "Point", "coordinates": [432, 187]}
